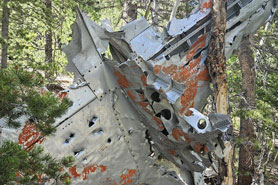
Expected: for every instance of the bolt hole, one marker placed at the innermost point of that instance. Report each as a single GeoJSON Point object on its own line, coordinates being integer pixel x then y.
{"type": "Point", "coordinates": [158, 115]}
{"type": "Point", "coordinates": [166, 113]}
{"type": "Point", "coordinates": [78, 152]}
{"type": "Point", "coordinates": [109, 140]}
{"type": "Point", "coordinates": [98, 132]}
{"type": "Point", "coordinates": [215, 145]}
{"type": "Point", "coordinates": [93, 121]}
{"type": "Point", "coordinates": [155, 97]}
{"type": "Point", "coordinates": [67, 141]}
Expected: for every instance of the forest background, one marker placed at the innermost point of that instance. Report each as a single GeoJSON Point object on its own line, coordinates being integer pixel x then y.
{"type": "Point", "coordinates": [33, 33]}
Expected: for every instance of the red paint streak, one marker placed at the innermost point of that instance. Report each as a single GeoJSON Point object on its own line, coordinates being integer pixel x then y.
{"type": "Point", "coordinates": [172, 152]}
{"type": "Point", "coordinates": [205, 149]}
{"type": "Point", "coordinates": [198, 44]}
{"type": "Point", "coordinates": [144, 104]}
{"type": "Point", "coordinates": [204, 75]}
{"type": "Point", "coordinates": [187, 138]}
{"type": "Point", "coordinates": [39, 178]}
{"type": "Point", "coordinates": [18, 174]}
{"type": "Point", "coordinates": [122, 81]}
{"type": "Point", "coordinates": [102, 168]}
{"type": "Point", "coordinates": [132, 97]}
{"type": "Point", "coordinates": [126, 178]}
{"type": "Point", "coordinates": [62, 95]}
{"type": "Point", "coordinates": [73, 171]}
{"type": "Point", "coordinates": [206, 5]}
{"type": "Point", "coordinates": [29, 136]}
{"type": "Point", "coordinates": [177, 133]}
{"type": "Point", "coordinates": [87, 170]}
{"type": "Point", "coordinates": [144, 80]}
{"type": "Point", "coordinates": [198, 147]}
{"type": "Point", "coordinates": [159, 123]}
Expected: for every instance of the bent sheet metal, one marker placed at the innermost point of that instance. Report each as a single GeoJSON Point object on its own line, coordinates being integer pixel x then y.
{"type": "Point", "coordinates": [137, 117]}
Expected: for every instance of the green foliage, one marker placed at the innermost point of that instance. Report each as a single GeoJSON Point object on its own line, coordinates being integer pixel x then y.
{"type": "Point", "coordinates": [20, 95]}
{"type": "Point", "coordinates": [30, 167]}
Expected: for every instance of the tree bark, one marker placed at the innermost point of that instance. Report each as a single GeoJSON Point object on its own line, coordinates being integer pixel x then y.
{"type": "Point", "coordinates": [216, 63]}
{"type": "Point", "coordinates": [129, 11]}
{"type": "Point", "coordinates": [5, 34]}
{"type": "Point", "coordinates": [247, 133]}
{"type": "Point", "coordinates": [174, 10]}
{"type": "Point", "coordinates": [155, 13]}
{"type": "Point", "coordinates": [48, 34]}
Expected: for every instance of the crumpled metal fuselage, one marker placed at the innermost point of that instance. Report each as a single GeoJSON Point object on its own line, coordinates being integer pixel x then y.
{"type": "Point", "coordinates": [136, 118]}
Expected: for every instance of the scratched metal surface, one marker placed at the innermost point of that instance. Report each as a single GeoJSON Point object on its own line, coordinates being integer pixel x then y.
{"type": "Point", "coordinates": [137, 118]}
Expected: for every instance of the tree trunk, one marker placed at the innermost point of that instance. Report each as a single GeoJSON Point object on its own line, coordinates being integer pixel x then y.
{"type": "Point", "coordinates": [247, 134]}
{"type": "Point", "coordinates": [129, 11]}
{"type": "Point", "coordinates": [216, 64]}
{"type": "Point", "coordinates": [5, 34]}
{"type": "Point", "coordinates": [155, 13]}
{"type": "Point", "coordinates": [48, 34]}
{"type": "Point", "coordinates": [174, 10]}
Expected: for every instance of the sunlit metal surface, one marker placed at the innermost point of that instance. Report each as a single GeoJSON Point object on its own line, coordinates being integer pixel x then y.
{"type": "Point", "coordinates": [136, 118]}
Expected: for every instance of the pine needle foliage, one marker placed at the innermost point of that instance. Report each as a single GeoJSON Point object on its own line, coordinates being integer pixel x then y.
{"type": "Point", "coordinates": [20, 95]}
{"type": "Point", "coordinates": [18, 166]}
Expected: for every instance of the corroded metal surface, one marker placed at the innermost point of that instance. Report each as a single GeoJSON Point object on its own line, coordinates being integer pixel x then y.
{"type": "Point", "coordinates": [136, 117]}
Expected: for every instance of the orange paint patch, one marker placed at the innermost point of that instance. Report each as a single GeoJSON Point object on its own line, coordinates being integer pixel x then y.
{"type": "Point", "coordinates": [73, 171]}
{"type": "Point", "coordinates": [132, 97]}
{"type": "Point", "coordinates": [177, 133]}
{"type": "Point", "coordinates": [144, 80]}
{"type": "Point", "coordinates": [172, 152]}
{"type": "Point", "coordinates": [189, 113]}
{"type": "Point", "coordinates": [143, 104]}
{"type": "Point", "coordinates": [29, 136]}
{"type": "Point", "coordinates": [122, 81]}
{"type": "Point", "coordinates": [206, 5]}
{"type": "Point", "coordinates": [205, 149]}
{"type": "Point", "coordinates": [156, 69]}
{"type": "Point", "coordinates": [198, 147]}
{"type": "Point", "coordinates": [62, 95]}
{"type": "Point", "coordinates": [86, 170]}
{"type": "Point", "coordinates": [18, 174]}
{"type": "Point", "coordinates": [198, 44]}
{"type": "Point", "coordinates": [159, 123]}
{"type": "Point", "coordinates": [126, 178]}
{"type": "Point", "coordinates": [187, 138]}
{"type": "Point", "coordinates": [204, 75]}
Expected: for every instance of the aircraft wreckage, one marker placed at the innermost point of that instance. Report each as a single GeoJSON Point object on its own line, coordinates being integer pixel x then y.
{"type": "Point", "coordinates": [137, 118]}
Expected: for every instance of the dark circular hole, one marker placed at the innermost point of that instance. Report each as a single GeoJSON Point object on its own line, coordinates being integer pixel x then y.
{"type": "Point", "coordinates": [145, 73]}
{"type": "Point", "coordinates": [158, 115]}
{"type": "Point", "coordinates": [92, 122]}
{"type": "Point", "coordinates": [165, 132]}
{"type": "Point", "coordinates": [166, 113]}
{"type": "Point", "coordinates": [215, 145]}
{"type": "Point", "coordinates": [67, 141]}
{"type": "Point", "coordinates": [109, 140]}
{"type": "Point", "coordinates": [72, 135]}
{"type": "Point", "coordinates": [202, 124]}
{"type": "Point", "coordinates": [155, 97]}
